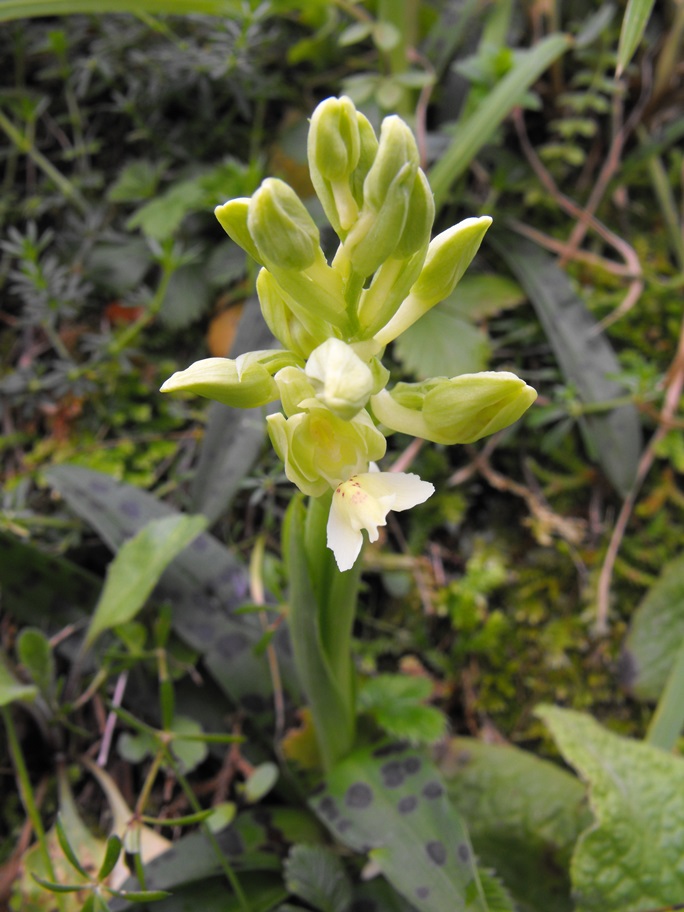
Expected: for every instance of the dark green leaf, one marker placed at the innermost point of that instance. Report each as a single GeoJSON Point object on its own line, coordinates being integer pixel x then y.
{"type": "Point", "coordinates": [656, 632]}
{"type": "Point", "coordinates": [396, 704]}
{"type": "Point", "coordinates": [583, 353]}
{"type": "Point", "coordinates": [112, 853]}
{"type": "Point", "coordinates": [66, 848]}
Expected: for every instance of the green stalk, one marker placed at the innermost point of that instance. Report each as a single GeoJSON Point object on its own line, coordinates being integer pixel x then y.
{"type": "Point", "coordinates": [128, 336]}
{"type": "Point", "coordinates": [666, 200]}
{"type": "Point", "coordinates": [321, 616]}
{"type": "Point", "coordinates": [402, 14]}
{"type": "Point", "coordinates": [26, 792]}
{"type": "Point", "coordinates": [23, 144]}
{"type": "Point", "coordinates": [668, 720]}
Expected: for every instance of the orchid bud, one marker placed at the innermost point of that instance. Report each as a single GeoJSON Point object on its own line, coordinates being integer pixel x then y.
{"type": "Point", "coordinates": [334, 147]}
{"type": "Point", "coordinates": [342, 381]}
{"type": "Point", "coordinates": [321, 450]}
{"type": "Point", "coordinates": [244, 383]}
{"type": "Point", "coordinates": [396, 149]}
{"type": "Point", "coordinates": [283, 231]}
{"type": "Point", "coordinates": [460, 410]}
{"type": "Point", "coordinates": [448, 257]}
{"type": "Point", "coordinates": [232, 217]}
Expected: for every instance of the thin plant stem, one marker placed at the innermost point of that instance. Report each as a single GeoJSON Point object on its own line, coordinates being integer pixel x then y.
{"type": "Point", "coordinates": [23, 144]}
{"type": "Point", "coordinates": [26, 792]}
{"type": "Point", "coordinates": [197, 807]}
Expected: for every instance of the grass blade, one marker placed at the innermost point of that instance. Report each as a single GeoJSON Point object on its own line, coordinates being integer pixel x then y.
{"type": "Point", "coordinates": [633, 27]}
{"type": "Point", "coordinates": [480, 126]}
{"type": "Point", "coordinates": [26, 9]}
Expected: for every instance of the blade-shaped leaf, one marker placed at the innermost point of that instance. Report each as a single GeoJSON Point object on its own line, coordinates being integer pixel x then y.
{"type": "Point", "coordinates": [137, 567]}
{"type": "Point", "coordinates": [630, 859]}
{"type": "Point", "coordinates": [656, 632]}
{"type": "Point", "coordinates": [389, 801]}
{"type": "Point", "coordinates": [22, 9]}
{"type": "Point", "coordinates": [634, 25]}
{"type": "Point", "coordinates": [583, 353]}
{"type": "Point", "coordinates": [35, 654]}
{"type": "Point", "coordinates": [480, 126]}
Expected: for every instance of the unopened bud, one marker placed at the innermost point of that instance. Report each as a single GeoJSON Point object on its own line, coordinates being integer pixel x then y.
{"type": "Point", "coordinates": [244, 383]}
{"type": "Point", "coordinates": [233, 219]}
{"type": "Point", "coordinates": [283, 231]}
{"type": "Point", "coordinates": [460, 410]}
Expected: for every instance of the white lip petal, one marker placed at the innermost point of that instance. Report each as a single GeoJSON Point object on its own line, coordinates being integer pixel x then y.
{"type": "Point", "coordinates": [363, 502]}
{"type": "Point", "coordinates": [343, 539]}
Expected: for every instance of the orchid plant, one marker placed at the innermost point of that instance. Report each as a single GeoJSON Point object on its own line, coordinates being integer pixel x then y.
{"type": "Point", "coordinates": [334, 321]}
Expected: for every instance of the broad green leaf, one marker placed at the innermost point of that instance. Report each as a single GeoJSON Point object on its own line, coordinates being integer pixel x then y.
{"type": "Point", "coordinates": [656, 632]}
{"type": "Point", "coordinates": [23, 9]}
{"type": "Point", "coordinates": [634, 25]}
{"type": "Point", "coordinates": [253, 842]}
{"type": "Point", "coordinates": [263, 892]}
{"type": "Point", "coordinates": [630, 859]}
{"type": "Point", "coordinates": [205, 584]}
{"type": "Point", "coordinates": [390, 802]}
{"type": "Point", "coordinates": [318, 876]}
{"type": "Point", "coordinates": [118, 268]}
{"type": "Point", "coordinates": [137, 567]}
{"type": "Point", "coordinates": [482, 124]}
{"type": "Point", "coordinates": [583, 353]}
{"type": "Point", "coordinates": [160, 218]}
{"type": "Point", "coordinates": [396, 702]}
{"type": "Point", "coordinates": [35, 654]}
{"type": "Point", "coordinates": [442, 344]}
{"type": "Point", "coordinates": [523, 814]}
{"type": "Point", "coordinates": [11, 689]}
{"type": "Point", "coordinates": [187, 297]}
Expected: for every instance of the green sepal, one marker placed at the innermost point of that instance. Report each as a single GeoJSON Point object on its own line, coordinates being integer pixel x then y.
{"type": "Point", "coordinates": [244, 383]}
{"type": "Point", "coordinates": [448, 257]}
{"type": "Point", "coordinates": [284, 233]}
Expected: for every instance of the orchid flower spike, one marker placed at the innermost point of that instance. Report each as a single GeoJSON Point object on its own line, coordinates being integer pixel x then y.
{"type": "Point", "coordinates": [363, 502]}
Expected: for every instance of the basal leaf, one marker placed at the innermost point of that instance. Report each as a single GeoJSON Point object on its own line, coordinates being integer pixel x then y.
{"type": "Point", "coordinates": [390, 803]}
{"type": "Point", "coordinates": [137, 567]}
{"type": "Point", "coordinates": [656, 632]}
{"type": "Point", "coordinates": [630, 859]}
{"type": "Point", "coordinates": [583, 353]}
{"type": "Point", "coordinates": [524, 815]}
{"type": "Point", "coordinates": [205, 584]}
